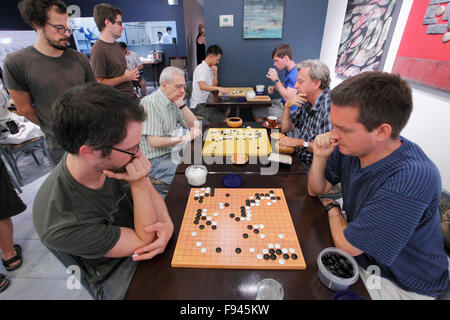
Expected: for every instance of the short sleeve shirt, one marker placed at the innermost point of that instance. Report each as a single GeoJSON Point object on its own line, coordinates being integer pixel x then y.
{"type": "Point", "coordinates": [45, 79]}
{"type": "Point", "coordinates": [133, 60]}
{"type": "Point", "coordinates": [108, 61]}
{"type": "Point", "coordinates": [201, 73]}
{"type": "Point", "coordinates": [392, 212]}
{"type": "Point", "coordinates": [290, 79]}
{"type": "Point", "coordinates": [163, 120]}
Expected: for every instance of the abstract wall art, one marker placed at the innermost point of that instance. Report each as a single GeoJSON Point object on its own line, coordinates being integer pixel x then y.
{"type": "Point", "coordinates": [424, 53]}
{"type": "Point", "coordinates": [263, 19]}
{"type": "Point", "coordinates": [367, 30]}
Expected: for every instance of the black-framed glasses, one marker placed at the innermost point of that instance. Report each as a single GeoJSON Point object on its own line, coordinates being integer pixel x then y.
{"type": "Point", "coordinates": [61, 29]}
{"type": "Point", "coordinates": [132, 154]}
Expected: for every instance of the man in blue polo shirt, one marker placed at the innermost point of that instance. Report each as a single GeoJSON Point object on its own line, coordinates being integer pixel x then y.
{"type": "Point", "coordinates": [389, 220]}
{"type": "Point", "coordinates": [282, 60]}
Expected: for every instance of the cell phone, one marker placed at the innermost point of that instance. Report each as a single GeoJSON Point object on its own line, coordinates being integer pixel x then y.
{"type": "Point", "coordinates": [12, 126]}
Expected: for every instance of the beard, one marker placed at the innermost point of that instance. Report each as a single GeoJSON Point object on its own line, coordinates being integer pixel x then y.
{"type": "Point", "coordinates": [57, 44]}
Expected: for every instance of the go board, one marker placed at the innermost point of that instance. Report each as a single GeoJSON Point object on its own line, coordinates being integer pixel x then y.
{"type": "Point", "coordinates": [230, 141]}
{"type": "Point", "coordinates": [238, 92]}
{"type": "Point", "coordinates": [237, 229]}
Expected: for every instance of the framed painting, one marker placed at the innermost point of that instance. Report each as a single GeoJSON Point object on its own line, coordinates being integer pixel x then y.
{"type": "Point", "coordinates": [263, 19]}
{"type": "Point", "coordinates": [367, 31]}
{"type": "Point", "coordinates": [424, 53]}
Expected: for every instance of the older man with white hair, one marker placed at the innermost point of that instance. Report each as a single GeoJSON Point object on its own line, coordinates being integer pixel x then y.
{"type": "Point", "coordinates": [166, 112]}
{"type": "Point", "coordinates": [313, 116]}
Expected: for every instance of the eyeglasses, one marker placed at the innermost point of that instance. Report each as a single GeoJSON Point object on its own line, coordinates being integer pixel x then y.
{"type": "Point", "coordinates": [132, 154]}
{"type": "Point", "coordinates": [119, 22]}
{"type": "Point", "coordinates": [61, 29]}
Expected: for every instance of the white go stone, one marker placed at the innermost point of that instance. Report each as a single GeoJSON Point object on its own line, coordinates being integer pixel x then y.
{"type": "Point", "coordinates": [208, 218]}
{"type": "Point", "coordinates": [198, 244]}
{"type": "Point", "coordinates": [221, 204]}
{"type": "Point", "coordinates": [262, 236]}
{"type": "Point", "coordinates": [252, 204]}
{"type": "Point", "coordinates": [259, 256]}
{"type": "Point", "coordinates": [258, 204]}
{"type": "Point", "coordinates": [247, 207]}
{"type": "Point", "coordinates": [204, 214]}
{"type": "Point", "coordinates": [281, 236]}
{"type": "Point", "coordinates": [215, 214]}
{"type": "Point", "coordinates": [251, 250]}
{"type": "Point", "coordinates": [214, 223]}
{"type": "Point", "coordinates": [269, 203]}
{"type": "Point", "coordinates": [248, 219]}
{"type": "Point", "coordinates": [263, 198]}
{"type": "Point", "coordinates": [251, 198]}
{"type": "Point", "coordinates": [205, 210]}
{"type": "Point", "coordinates": [255, 226]}
{"type": "Point", "coordinates": [194, 234]}
{"type": "Point", "coordinates": [291, 250]}
{"type": "Point", "coordinates": [284, 250]}
{"type": "Point", "coordinates": [261, 226]}
{"type": "Point", "coordinates": [281, 261]}
{"type": "Point", "coordinates": [203, 250]}
{"type": "Point", "coordinates": [277, 246]}
{"type": "Point", "coordinates": [270, 245]}
{"type": "Point", "coordinates": [265, 251]}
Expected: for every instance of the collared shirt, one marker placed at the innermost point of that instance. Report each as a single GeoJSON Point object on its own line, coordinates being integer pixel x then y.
{"type": "Point", "coordinates": [290, 79]}
{"type": "Point", "coordinates": [201, 73]}
{"type": "Point", "coordinates": [163, 118]}
{"type": "Point", "coordinates": [312, 121]}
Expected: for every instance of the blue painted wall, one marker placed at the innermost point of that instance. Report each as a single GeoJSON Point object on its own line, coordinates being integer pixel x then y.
{"type": "Point", "coordinates": [245, 61]}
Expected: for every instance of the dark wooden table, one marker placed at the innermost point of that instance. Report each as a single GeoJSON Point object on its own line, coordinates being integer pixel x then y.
{"type": "Point", "coordinates": [155, 68]}
{"type": "Point", "coordinates": [155, 279]}
{"type": "Point", "coordinates": [192, 154]}
{"type": "Point", "coordinates": [215, 101]}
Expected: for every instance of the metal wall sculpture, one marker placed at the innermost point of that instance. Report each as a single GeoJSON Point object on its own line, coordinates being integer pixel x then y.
{"type": "Point", "coordinates": [424, 53]}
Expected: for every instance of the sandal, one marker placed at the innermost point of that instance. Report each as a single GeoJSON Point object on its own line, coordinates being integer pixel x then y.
{"type": "Point", "coordinates": [7, 263]}
{"type": "Point", "coordinates": [5, 282]}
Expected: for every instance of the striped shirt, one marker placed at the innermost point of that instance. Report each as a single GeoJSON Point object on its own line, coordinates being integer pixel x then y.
{"type": "Point", "coordinates": [163, 120]}
{"type": "Point", "coordinates": [392, 212]}
{"type": "Point", "coordinates": [312, 121]}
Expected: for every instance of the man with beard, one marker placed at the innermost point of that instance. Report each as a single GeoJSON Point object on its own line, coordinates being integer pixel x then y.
{"type": "Point", "coordinates": [98, 209]}
{"type": "Point", "coordinates": [107, 58]}
{"type": "Point", "coordinates": [35, 76]}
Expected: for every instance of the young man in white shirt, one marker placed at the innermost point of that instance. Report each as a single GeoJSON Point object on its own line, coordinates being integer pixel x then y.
{"type": "Point", "coordinates": [206, 80]}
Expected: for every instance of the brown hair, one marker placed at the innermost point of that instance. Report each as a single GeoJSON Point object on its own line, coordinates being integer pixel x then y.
{"type": "Point", "coordinates": [380, 97]}
{"type": "Point", "coordinates": [35, 11]}
{"type": "Point", "coordinates": [105, 11]}
{"type": "Point", "coordinates": [282, 50]}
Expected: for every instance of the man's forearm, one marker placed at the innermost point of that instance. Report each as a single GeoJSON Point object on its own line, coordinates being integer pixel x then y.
{"type": "Point", "coordinates": [113, 81]}
{"type": "Point", "coordinates": [317, 183]}
{"type": "Point", "coordinates": [144, 212]}
{"type": "Point", "coordinates": [160, 142]}
{"type": "Point", "coordinates": [286, 122]}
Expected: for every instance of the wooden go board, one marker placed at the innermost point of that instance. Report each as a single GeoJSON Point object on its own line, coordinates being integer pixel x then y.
{"type": "Point", "coordinates": [237, 229]}
{"type": "Point", "coordinates": [238, 92]}
{"type": "Point", "coordinates": [230, 141]}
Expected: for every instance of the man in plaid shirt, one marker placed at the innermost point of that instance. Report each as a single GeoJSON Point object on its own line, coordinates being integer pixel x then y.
{"type": "Point", "coordinates": [313, 117]}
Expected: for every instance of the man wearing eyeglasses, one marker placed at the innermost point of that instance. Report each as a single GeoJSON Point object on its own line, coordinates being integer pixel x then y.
{"type": "Point", "coordinates": [98, 207]}
{"type": "Point", "coordinates": [107, 58]}
{"type": "Point", "coordinates": [36, 75]}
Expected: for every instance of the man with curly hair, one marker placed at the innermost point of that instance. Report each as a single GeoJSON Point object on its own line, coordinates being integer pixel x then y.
{"type": "Point", "coordinates": [36, 75]}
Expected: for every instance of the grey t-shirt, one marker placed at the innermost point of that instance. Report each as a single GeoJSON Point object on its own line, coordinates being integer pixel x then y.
{"type": "Point", "coordinates": [83, 222]}
{"type": "Point", "coordinates": [108, 61]}
{"type": "Point", "coordinates": [45, 78]}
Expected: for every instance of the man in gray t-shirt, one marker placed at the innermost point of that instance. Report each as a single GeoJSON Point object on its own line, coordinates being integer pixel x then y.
{"type": "Point", "coordinates": [35, 76]}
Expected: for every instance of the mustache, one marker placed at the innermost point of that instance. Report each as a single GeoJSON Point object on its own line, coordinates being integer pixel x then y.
{"type": "Point", "coordinates": [64, 39]}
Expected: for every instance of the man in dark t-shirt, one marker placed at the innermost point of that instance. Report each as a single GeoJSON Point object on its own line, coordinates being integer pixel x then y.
{"type": "Point", "coordinates": [107, 59]}
{"type": "Point", "coordinates": [35, 76]}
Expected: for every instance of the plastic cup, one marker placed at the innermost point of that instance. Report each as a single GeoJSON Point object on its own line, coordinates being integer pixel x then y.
{"type": "Point", "coordinates": [269, 289]}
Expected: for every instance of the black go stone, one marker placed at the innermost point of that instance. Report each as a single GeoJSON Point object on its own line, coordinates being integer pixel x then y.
{"type": "Point", "coordinates": [203, 218]}
{"type": "Point", "coordinates": [278, 252]}
{"type": "Point", "coordinates": [199, 210]}
{"type": "Point", "coordinates": [245, 236]}
{"type": "Point", "coordinates": [285, 256]}
{"type": "Point", "coordinates": [278, 198]}
{"type": "Point", "coordinates": [231, 215]}
{"type": "Point", "coordinates": [294, 256]}
{"type": "Point", "coordinates": [196, 221]}
{"type": "Point", "coordinates": [208, 223]}
{"type": "Point", "coordinates": [242, 208]}
{"type": "Point", "coordinates": [214, 227]}
{"type": "Point", "coordinates": [227, 204]}
{"type": "Point", "coordinates": [266, 257]}
{"type": "Point", "coordinates": [256, 231]}
{"type": "Point", "coordinates": [206, 194]}
{"type": "Point", "coordinates": [243, 215]}
{"type": "Point", "coordinates": [237, 219]}
{"type": "Point", "coordinates": [249, 227]}
{"type": "Point", "coordinates": [218, 250]}
{"type": "Point", "coordinates": [227, 195]}
{"type": "Point", "coordinates": [273, 257]}
{"type": "Point", "coordinates": [202, 227]}
{"type": "Point", "coordinates": [200, 201]}
{"type": "Point", "coordinates": [271, 251]}
{"type": "Point", "coordinates": [195, 198]}
{"type": "Point", "coordinates": [238, 250]}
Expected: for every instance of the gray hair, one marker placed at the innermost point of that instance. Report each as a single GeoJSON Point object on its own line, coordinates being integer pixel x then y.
{"type": "Point", "coordinates": [168, 73]}
{"type": "Point", "coordinates": [317, 71]}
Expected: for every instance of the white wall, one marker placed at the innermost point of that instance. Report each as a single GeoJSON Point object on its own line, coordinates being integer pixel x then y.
{"type": "Point", "coordinates": [193, 16]}
{"type": "Point", "coordinates": [428, 125]}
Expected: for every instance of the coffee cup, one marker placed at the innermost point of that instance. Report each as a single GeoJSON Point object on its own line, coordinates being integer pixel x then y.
{"type": "Point", "coordinates": [260, 89]}
{"type": "Point", "coordinates": [272, 120]}
{"type": "Point", "coordinates": [250, 94]}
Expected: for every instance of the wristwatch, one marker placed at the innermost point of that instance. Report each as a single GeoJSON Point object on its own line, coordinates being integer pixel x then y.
{"type": "Point", "coordinates": [331, 205]}
{"type": "Point", "coordinates": [276, 81]}
{"type": "Point", "coordinates": [305, 144]}
{"type": "Point", "coordinates": [184, 105]}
